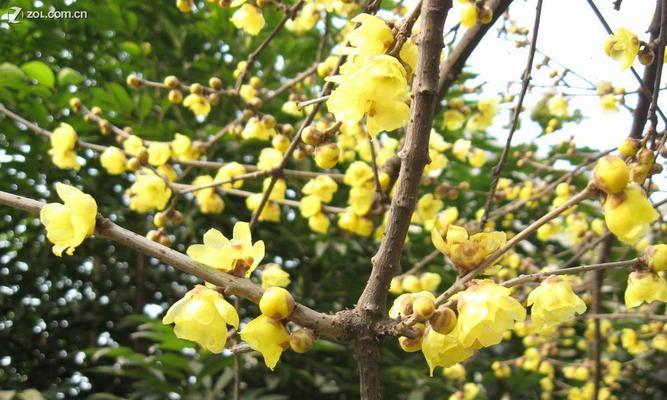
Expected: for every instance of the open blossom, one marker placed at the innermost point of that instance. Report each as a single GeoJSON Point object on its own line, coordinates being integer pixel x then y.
{"type": "Point", "coordinates": [149, 192]}
{"type": "Point", "coordinates": [158, 153]}
{"type": "Point", "coordinates": [622, 46]}
{"type": "Point", "coordinates": [628, 214]}
{"type": "Point", "coordinates": [554, 302]}
{"type": "Point", "coordinates": [645, 287]}
{"type": "Point", "coordinates": [323, 187]}
{"type": "Point", "coordinates": [133, 145]}
{"type": "Point", "coordinates": [202, 316]}
{"type": "Point", "coordinates": [229, 171]}
{"type": "Point", "coordinates": [274, 275]}
{"type": "Point", "coordinates": [267, 336]}
{"type": "Point", "coordinates": [237, 256]}
{"type": "Point", "coordinates": [464, 251]}
{"type": "Point", "coordinates": [182, 148]}
{"type": "Point", "coordinates": [68, 224]}
{"type": "Point", "coordinates": [443, 350]}
{"type": "Point", "coordinates": [249, 18]}
{"type": "Point", "coordinates": [63, 141]}
{"type": "Point", "coordinates": [208, 199]}
{"type": "Point", "coordinates": [375, 87]}
{"type": "Point", "coordinates": [372, 37]}
{"type": "Point", "coordinates": [486, 312]}
{"type": "Point", "coordinates": [198, 104]}
{"type": "Point", "coordinates": [113, 161]}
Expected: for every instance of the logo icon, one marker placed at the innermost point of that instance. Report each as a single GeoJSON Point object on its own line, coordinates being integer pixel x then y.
{"type": "Point", "coordinates": [11, 16]}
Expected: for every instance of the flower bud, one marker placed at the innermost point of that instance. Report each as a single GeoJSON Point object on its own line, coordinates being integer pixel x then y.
{"type": "Point", "coordinates": [175, 96]}
{"type": "Point", "coordinates": [105, 126]}
{"type": "Point", "coordinates": [280, 142]}
{"type": "Point", "coordinates": [646, 55]}
{"type": "Point", "coordinates": [75, 104]}
{"type": "Point", "coordinates": [611, 174]}
{"type": "Point", "coordinates": [213, 98]}
{"type": "Point", "coordinates": [171, 82]}
{"type": "Point", "coordinates": [326, 156]}
{"type": "Point", "coordinates": [133, 164]}
{"type": "Point", "coordinates": [96, 111]}
{"type": "Point", "coordinates": [196, 88]}
{"type": "Point", "coordinates": [301, 340]}
{"type": "Point", "coordinates": [276, 303]}
{"type": "Point", "coordinates": [215, 83]}
{"type": "Point", "coordinates": [133, 81]}
{"type": "Point", "coordinates": [160, 220]}
{"type": "Point", "coordinates": [629, 147]}
{"type": "Point", "coordinates": [485, 15]}
{"type": "Point", "coordinates": [255, 82]}
{"type": "Point", "coordinates": [656, 257]}
{"type": "Point", "coordinates": [311, 135]}
{"type": "Point", "coordinates": [443, 320]}
{"type": "Point", "coordinates": [411, 345]}
{"type": "Point", "coordinates": [424, 307]}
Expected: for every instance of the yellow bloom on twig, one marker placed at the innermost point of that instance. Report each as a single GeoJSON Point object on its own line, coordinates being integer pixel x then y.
{"type": "Point", "coordinates": [464, 251]}
{"type": "Point", "coordinates": [554, 302]}
{"type": "Point", "coordinates": [622, 46]}
{"type": "Point", "coordinates": [148, 192]}
{"type": "Point", "coordinates": [68, 224]}
{"type": "Point", "coordinates": [267, 336]}
{"type": "Point", "coordinates": [202, 316]}
{"type": "Point", "coordinates": [645, 287]}
{"type": "Point", "coordinates": [63, 141]}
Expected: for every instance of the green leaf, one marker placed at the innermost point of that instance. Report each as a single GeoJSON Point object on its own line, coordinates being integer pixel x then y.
{"type": "Point", "coordinates": [145, 105]}
{"type": "Point", "coordinates": [12, 76]}
{"type": "Point", "coordinates": [40, 72]}
{"type": "Point", "coordinates": [69, 76]}
{"type": "Point", "coordinates": [122, 98]}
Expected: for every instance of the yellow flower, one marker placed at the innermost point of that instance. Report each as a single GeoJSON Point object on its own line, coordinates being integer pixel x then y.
{"type": "Point", "coordinates": [198, 104]}
{"type": "Point", "coordinates": [202, 316]}
{"type": "Point", "coordinates": [554, 302]}
{"type": "Point", "coordinates": [461, 148]}
{"type": "Point", "coordinates": [323, 187]}
{"type": "Point", "coordinates": [269, 158]}
{"type": "Point", "coordinates": [453, 120]}
{"type": "Point", "coordinates": [267, 336]}
{"type": "Point", "coordinates": [631, 342]}
{"type": "Point", "coordinates": [68, 224]}
{"type": "Point", "coordinates": [259, 129]}
{"type": "Point", "coordinates": [182, 148]}
{"type": "Point", "coordinates": [645, 287]}
{"type": "Point", "coordinates": [427, 210]}
{"type": "Point", "coordinates": [274, 275]}
{"type": "Point", "coordinates": [184, 5]}
{"type": "Point", "coordinates": [361, 198]}
{"type": "Point", "coordinates": [167, 171]}
{"type": "Point", "coordinates": [376, 87]}
{"type": "Point", "coordinates": [477, 158]}
{"type": "Point", "coordinates": [623, 46]}
{"type": "Point", "coordinates": [659, 342]}
{"type": "Point", "coordinates": [656, 257]}
{"type": "Point", "coordinates": [357, 174]}
{"type": "Point", "coordinates": [372, 37]}
{"type": "Point", "coordinates": [353, 223]}
{"type": "Point", "coordinates": [238, 256]}
{"type": "Point", "coordinates": [209, 200]}
{"type": "Point", "coordinates": [63, 141]}
{"type": "Point", "coordinates": [148, 192]}
{"type": "Point", "coordinates": [327, 155]}
{"type": "Point", "coordinates": [113, 160]}
{"type": "Point", "coordinates": [486, 312]}
{"type": "Point", "coordinates": [469, 15]}
{"type": "Point", "coordinates": [467, 252]}
{"type": "Point", "coordinates": [611, 174]}
{"type": "Point", "coordinates": [408, 54]}
{"type": "Point", "coordinates": [310, 205]}
{"type": "Point", "coordinates": [158, 153]}
{"type": "Point", "coordinates": [271, 211]}
{"type": "Point", "coordinates": [249, 18]}
{"type": "Point", "coordinates": [558, 106]}
{"type": "Point", "coordinates": [608, 103]}
{"type": "Point", "coordinates": [229, 171]}
{"type": "Point", "coordinates": [429, 281]}
{"type": "Point", "coordinates": [133, 145]}
{"type": "Point", "coordinates": [319, 223]}
{"type": "Point", "coordinates": [443, 350]}
{"type": "Point", "coordinates": [328, 66]}
{"type": "Point", "coordinates": [456, 372]}
{"type": "Point", "coordinates": [306, 20]}
{"type": "Point", "coordinates": [629, 214]}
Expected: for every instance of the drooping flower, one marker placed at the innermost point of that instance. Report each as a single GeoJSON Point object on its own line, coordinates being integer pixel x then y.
{"type": "Point", "coordinates": [202, 316]}
{"type": "Point", "coordinates": [372, 37]}
{"type": "Point", "coordinates": [628, 214]}
{"type": "Point", "coordinates": [208, 199]}
{"type": "Point", "coordinates": [268, 337]}
{"type": "Point", "coordinates": [486, 312]}
{"type": "Point", "coordinates": [622, 46]}
{"type": "Point", "coordinates": [158, 153]}
{"type": "Point", "coordinates": [357, 174]}
{"type": "Point", "coordinates": [443, 350]}
{"type": "Point", "coordinates": [645, 287]}
{"type": "Point", "coordinates": [323, 187]}
{"type": "Point", "coordinates": [198, 104]}
{"type": "Point", "coordinates": [133, 145]}
{"type": "Point", "coordinates": [68, 224]}
{"type": "Point", "coordinates": [63, 141]}
{"type": "Point", "coordinates": [229, 171]}
{"type": "Point", "coordinates": [238, 256]}
{"type": "Point", "coordinates": [467, 252]}
{"type": "Point", "coordinates": [656, 257]}
{"type": "Point", "coordinates": [554, 302]}
{"type": "Point", "coordinates": [319, 223]}
{"type": "Point", "coordinates": [611, 174]}
{"type": "Point", "coordinates": [148, 192]}
{"type": "Point", "coordinates": [182, 148]}
{"type": "Point", "coordinates": [249, 18]}
{"type": "Point", "coordinates": [274, 275]}
{"type": "Point", "coordinates": [113, 161]}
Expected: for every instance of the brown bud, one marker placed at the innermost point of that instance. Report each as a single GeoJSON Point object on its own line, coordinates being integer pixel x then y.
{"type": "Point", "coordinates": [133, 164]}
{"type": "Point", "coordinates": [160, 220]}
{"type": "Point", "coordinates": [96, 111]}
{"type": "Point", "coordinates": [646, 55]}
{"type": "Point", "coordinates": [423, 306]}
{"type": "Point", "coordinates": [153, 235]}
{"type": "Point", "coordinates": [75, 104]}
{"type": "Point", "coordinates": [133, 81]}
{"type": "Point", "coordinates": [196, 88]}
{"type": "Point", "coordinates": [175, 216]}
{"type": "Point", "coordinates": [214, 98]}
{"type": "Point", "coordinates": [171, 82]}
{"type": "Point", "coordinates": [175, 96]}
{"type": "Point", "coordinates": [105, 126]}
{"type": "Point", "coordinates": [485, 15]}
{"type": "Point", "coordinates": [164, 240]}
{"type": "Point", "coordinates": [301, 340]}
{"type": "Point", "coordinates": [255, 103]}
{"type": "Point", "coordinates": [443, 320]}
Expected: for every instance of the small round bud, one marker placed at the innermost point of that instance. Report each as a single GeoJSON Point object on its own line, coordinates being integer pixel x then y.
{"type": "Point", "coordinates": [485, 15]}
{"type": "Point", "coordinates": [215, 83]}
{"type": "Point", "coordinates": [75, 104]}
{"type": "Point", "coordinates": [153, 235]}
{"type": "Point", "coordinates": [255, 103]}
{"type": "Point", "coordinates": [299, 154]}
{"type": "Point", "coordinates": [311, 135]}
{"type": "Point", "coordinates": [456, 103]}
{"type": "Point", "coordinates": [175, 216]}
{"type": "Point", "coordinates": [96, 111]}
{"type": "Point", "coordinates": [646, 55]}
{"type": "Point", "coordinates": [213, 99]}
{"type": "Point", "coordinates": [287, 129]}
{"type": "Point", "coordinates": [225, 3]}
{"type": "Point", "coordinates": [255, 82]}
{"type": "Point", "coordinates": [133, 81]}
{"type": "Point", "coordinates": [443, 320]}
{"type": "Point", "coordinates": [262, 3]}
{"type": "Point", "coordinates": [164, 240]}
{"type": "Point", "coordinates": [268, 121]}
{"type": "Point", "coordinates": [160, 220]}
{"type": "Point", "coordinates": [411, 345]}
{"type": "Point", "coordinates": [656, 257]}
{"type": "Point", "coordinates": [196, 88]}
{"type": "Point", "coordinates": [133, 164]}
{"type": "Point", "coordinates": [611, 174]}
{"type": "Point", "coordinates": [105, 126]}
{"type": "Point", "coordinates": [423, 306]}
{"type": "Point", "coordinates": [280, 142]}
{"type": "Point", "coordinates": [629, 147]}
{"type": "Point", "coordinates": [326, 156]}
{"type": "Point", "coordinates": [301, 340]}
{"type": "Point", "coordinates": [276, 303]}
{"type": "Point", "coordinates": [171, 82]}
{"type": "Point", "coordinates": [175, 96]}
